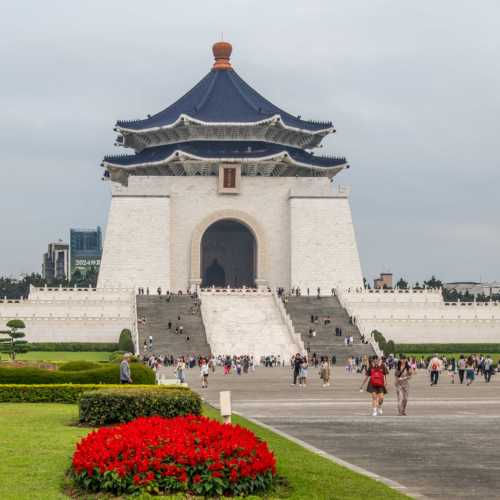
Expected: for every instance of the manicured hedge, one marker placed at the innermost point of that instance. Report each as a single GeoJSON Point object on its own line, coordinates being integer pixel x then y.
{"type": "Point", "coordinates": [119, 405]}
{"type": "Point", "coordinates": [78, 366]}
{"type": "Point", "coordinates": [109, 374]}
{"type": "Point", "coordinates": [451, 348]}
{"type": "Point", "coordinates": [53, 393]}
{"type": "Point", "coordinates": [73, 346]}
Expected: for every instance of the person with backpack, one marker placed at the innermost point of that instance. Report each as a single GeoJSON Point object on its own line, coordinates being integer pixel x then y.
{"type": "Point", "coordinates": [434, 369]}
{"type": "Point", "coordinates": [376, 376]}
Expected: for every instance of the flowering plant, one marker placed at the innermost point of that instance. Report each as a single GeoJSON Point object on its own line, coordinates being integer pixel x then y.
{"type": "Point", "coordinates": [160, 455]}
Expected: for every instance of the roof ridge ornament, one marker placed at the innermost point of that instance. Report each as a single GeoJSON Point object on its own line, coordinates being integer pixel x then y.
{"type": "Point", "coordinates": [222, 54]}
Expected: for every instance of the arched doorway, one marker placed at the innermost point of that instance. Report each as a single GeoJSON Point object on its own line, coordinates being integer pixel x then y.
{"type": "Point", "coordinates": [228, 255]}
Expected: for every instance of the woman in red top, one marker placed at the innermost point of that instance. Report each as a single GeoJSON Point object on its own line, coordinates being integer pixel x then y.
{"type": "Point", "coordinates": [376, 376]}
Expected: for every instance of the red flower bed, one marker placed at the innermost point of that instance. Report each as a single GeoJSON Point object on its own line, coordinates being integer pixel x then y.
{"type": "Point", "coordinates": [162, 455]}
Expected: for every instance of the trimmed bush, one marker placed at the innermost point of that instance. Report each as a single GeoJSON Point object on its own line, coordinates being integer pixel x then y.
{"type": "Point", "coordinates": [109, 374]}
{"type": "Point", "coordinates": [126, 343]}
{"type": "Point", "coordinates": [73, 346]}
{"type": "Point", "coordinates": [110, 406]}
{"type": "Point", "coordinates": [78, 366]}
{"type": "Point", "coordinates": [451, 348]}
{"type": "Point", "coordinates": [53, 393]}
{"type": "Point", "coordinates": [116, 357]}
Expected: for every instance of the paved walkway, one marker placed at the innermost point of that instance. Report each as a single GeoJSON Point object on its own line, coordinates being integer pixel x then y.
{"type": "Point", "coordinates": [448, 446]}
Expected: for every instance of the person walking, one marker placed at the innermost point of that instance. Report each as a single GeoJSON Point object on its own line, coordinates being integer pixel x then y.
{"type": "Point", "coordinates": [150, 342]}
{"type": "Point", "coordinates": [324, 371]}
{"type": "Point", "coordinates": [461, 368]}
{"type": "Point", "coordinates": [469, 370]}
{"type": "Point", "coordinates": [376, 376]}
{"type": "Point", "coordinates": [434, 369]}
{"type": "Point", "coordinates": [296, 367]}
{"type": "Point", "coordinates": [125, 375]}
{"type": "Point", "coordinates": [402, 374]}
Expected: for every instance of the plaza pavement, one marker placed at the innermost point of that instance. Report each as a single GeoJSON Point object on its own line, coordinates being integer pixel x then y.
{"type": "Point", "coordinates": [448, 446]}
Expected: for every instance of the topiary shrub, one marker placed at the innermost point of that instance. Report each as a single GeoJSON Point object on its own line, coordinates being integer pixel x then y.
{"type": "Point", "coordinates": [126, 343]}
{"type": "Point", "coordinates": [78, 366]}
{"type": "Point", "coordinates": [109, 374]}
{"type": "Point", "coordinates": [117, 356]}
{"type": "Point", "coordinates": [53, 393]}
{"type": "Point", "coordinates": [119, 405]}
{"type": "Point", "coordinates": [185, 454]}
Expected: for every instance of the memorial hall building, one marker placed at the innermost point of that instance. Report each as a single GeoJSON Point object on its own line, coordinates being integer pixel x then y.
{"type": "Point", "coordinates": [220, 207]}
{"type": "Point", "coordinates": [223, 188]}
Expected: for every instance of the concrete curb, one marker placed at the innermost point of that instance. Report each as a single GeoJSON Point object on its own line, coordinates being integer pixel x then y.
{"type": "Point", "coordinates": [372, 475]}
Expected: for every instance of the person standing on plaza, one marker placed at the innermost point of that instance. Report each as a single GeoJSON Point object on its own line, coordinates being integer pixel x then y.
{"type": "Point", "coordinates": [461, 368]}
{"type": "Point", "coordinates": [376, 376]}
{"type": "Point", "coordinates": [204, 370]}
{"type": "Point", "coordinates": [487, 368]}
{"type": "Point", "coordinates": [150, 342]}
{"type": "Point", "coordinates": [125, 376]}
{"type": "Point", "coordinates": [296, 367]}
{"type": "Point", "coordinates": [303, 372]}
{"type": "Point", "coordinates": [402, 374]}
{"type": "Point", "coordinates": [324, 371]}
{"type": "Point", "coordinates": [179, 370]}
{"type": "Point", "coordinates": [434, 369]}
{"type": "Point", "coordinates": [469, 370]}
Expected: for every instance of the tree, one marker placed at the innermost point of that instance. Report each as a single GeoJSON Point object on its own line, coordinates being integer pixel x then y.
{"type": "Point", "coordinates": [13, 345]}
{"type": "Point", "coordinates": [126, 343]}
{"type": "Point", "coordinates": [433, 283]}
{"type": "Point", "coordinates": [402, 284]}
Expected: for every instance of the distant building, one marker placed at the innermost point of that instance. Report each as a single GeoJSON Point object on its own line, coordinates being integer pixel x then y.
{"type": "Point", "coordinates": [384, 281]}
{"type": "Point", "coordinates": [85, 250]}
{"type": "Point", "coordinates": [55, 264]}
{"type": "Point", "coordinates": [473, 287]}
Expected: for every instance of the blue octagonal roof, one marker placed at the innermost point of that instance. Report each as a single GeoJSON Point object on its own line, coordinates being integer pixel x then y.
{"type": "Point", "coordinates": [222, 96]}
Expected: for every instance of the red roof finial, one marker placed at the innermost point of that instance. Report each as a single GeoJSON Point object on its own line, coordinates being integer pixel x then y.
{"type": "Point", "coordinates": [222, 54]}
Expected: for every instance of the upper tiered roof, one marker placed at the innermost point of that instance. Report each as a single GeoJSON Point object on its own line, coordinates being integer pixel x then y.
{"type": "Point", "coordinates": [222, 120]}
{"type": "Point", "coordinates": [221, 105]}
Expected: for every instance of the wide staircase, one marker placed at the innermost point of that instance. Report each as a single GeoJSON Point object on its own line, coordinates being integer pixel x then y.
{"type": "Point", "coordinates": [326, 343]}
{"type": "Point", "coordinates": [247, 323]}
{"type": "Point", "coordinates": [158, 312]}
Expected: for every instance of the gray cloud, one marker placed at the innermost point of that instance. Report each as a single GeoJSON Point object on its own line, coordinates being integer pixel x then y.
{"type": "Point", "coordinates": [412, 88]}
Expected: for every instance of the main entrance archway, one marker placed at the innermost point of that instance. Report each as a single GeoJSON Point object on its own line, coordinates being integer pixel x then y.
{"type": "Point", "coordinates": [228, 255]}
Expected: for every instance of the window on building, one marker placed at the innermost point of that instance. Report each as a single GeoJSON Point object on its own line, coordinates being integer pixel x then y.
{"type": "Point", "coordinates": [229, 178]}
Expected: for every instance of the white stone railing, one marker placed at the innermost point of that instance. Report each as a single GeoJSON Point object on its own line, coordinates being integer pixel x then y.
{"type": "Point", "coordinates": [235, 291]}
{"type": "Point", "coordinates": [287, 320]}
{"type": "Point", "coordinates": [135, 328]}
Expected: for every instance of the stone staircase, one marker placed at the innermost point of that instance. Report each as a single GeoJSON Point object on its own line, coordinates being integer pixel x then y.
{"type": "Point", "coordinates": [250, 323]}
{"type": "Point", "coordinates": [326, 343]}
{"type": "Point", "coordinates": [158, 312]}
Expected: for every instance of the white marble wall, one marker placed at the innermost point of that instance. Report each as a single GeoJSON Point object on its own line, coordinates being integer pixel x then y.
{"type": "Point", "coordinates": [307, 230]}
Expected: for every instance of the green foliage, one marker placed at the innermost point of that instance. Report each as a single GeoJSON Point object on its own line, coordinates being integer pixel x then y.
{"type": "Point", "coordinates": [54, 393]}
{"type": "Point", "coordinates": [117, 356]}
{"type": "Point", "coordinates": [73, 346]}
{"type": "Point", "coordinates": [433, 283]}
{"type": "Point", "coordinates": [390, 347]}
{"type": "Point", "coordinates": [108, 374]}
{"type": "Point", "coordinates": [118, 405]}
{"type": "Point", "coordinates": [126, 343]}
{"type": "Point", "coordinates": [402, 284]}
{"type": "Point", "coordinates": [13, 344]}
{"type": "Point", "coordinates": [387, 347]}
{"type": "Point", "coordinates": [78, 366]}
{"type": "Point", "coordinates": [448, 348]}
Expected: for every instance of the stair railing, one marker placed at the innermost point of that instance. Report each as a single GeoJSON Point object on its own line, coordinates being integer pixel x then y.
{"type": "Point", "coordinates": [296, 337]}
{"type": "Point", "coordinates": [135, 328]}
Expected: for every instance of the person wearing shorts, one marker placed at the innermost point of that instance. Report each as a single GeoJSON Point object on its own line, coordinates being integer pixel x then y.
{"type": "Point", "coordinates": [376, 376]}
{"type": "Point", "coordinates": [469, 370]}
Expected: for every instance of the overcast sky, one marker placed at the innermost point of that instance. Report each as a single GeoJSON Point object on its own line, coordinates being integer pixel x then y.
{"type": "Point", "coordinates": [413, 89]}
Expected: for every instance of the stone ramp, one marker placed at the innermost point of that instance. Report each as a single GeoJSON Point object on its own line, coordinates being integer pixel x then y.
{"type": "Point", "coordinates": [158, 311]}
{"type": "Point", "coordinates": [246, 322]}
{"type": "Point", "coordinates": [326, 343]}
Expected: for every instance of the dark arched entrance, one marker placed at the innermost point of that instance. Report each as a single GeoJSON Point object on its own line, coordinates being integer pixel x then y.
{"type": "Point", "coordinates": [228, 255]}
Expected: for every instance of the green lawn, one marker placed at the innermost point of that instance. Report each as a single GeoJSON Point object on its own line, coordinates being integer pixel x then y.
{"type": "Point", "coordinates": [62, 356]}
{"type": "Point", "coordinates": [37, 441]}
